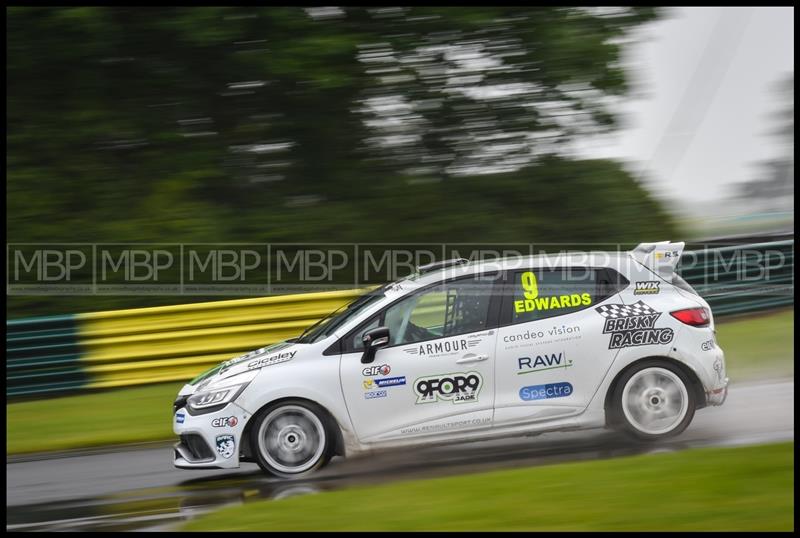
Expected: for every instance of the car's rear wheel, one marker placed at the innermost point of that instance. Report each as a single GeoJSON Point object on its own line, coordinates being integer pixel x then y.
{"type": "Point", "coordinates": [291, 439]}
{"type": "Point", "coordinates": [654, 400]}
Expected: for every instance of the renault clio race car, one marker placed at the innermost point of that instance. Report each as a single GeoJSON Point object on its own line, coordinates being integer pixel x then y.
{"type": "Point", "coordinates": [463, 351]}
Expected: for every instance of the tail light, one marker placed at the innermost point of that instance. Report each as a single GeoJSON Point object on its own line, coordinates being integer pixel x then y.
{"type": "Point", "coordinates": [696, 317]}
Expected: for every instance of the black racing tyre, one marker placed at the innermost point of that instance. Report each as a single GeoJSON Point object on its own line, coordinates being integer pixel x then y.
{"type": "Point", "coordinates": [292, 438]}
{"type": "Point", "coordinates": [653, 400]}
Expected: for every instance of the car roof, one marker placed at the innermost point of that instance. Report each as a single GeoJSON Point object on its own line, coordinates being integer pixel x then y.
{"type": "Point", "coordinates": [601, 258]}
{"type": "Point", "coordinates": [400, 288]}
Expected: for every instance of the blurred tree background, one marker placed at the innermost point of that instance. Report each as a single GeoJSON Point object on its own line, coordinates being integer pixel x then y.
{"type": "Point", "coordinates": [265, 124]}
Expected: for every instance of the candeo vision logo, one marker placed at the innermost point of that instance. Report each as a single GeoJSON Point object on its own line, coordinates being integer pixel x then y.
{"type": "Point", "coordinates": [545, 392]}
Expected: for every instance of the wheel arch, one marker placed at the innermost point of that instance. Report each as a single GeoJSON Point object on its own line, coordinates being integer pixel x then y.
{"type": "Point", "coordinates": [697, 385]}
{"type": "Point", "coordinates": [332, 423]}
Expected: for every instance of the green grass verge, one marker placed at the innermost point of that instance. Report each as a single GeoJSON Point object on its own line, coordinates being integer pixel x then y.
{"type": "Point", "coordinates": [727, 489]}
{"type": "Point", "coordinates": [761, 346]}
{"type": "Point", "coordinates": [127, 415]}
{"type": "Point", "coordinates": [758, 347]}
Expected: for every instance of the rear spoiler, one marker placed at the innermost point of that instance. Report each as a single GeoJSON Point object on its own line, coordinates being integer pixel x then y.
{"type": "Point", "coordinates": [661, 258]}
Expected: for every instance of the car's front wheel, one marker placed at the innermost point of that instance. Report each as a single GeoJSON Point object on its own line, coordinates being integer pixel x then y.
{"type": "Point", "coordinates": [291, 439]}
{"type": "Point", "coordinates": [654, 400]}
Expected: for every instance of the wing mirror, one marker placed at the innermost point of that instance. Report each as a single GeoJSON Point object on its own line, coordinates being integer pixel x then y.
{"type": "Point", "coordinates": [374, 339]}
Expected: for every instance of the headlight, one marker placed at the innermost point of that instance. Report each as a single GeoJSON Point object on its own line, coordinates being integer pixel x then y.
{"type": "Point", "coordinates": [214, 399]}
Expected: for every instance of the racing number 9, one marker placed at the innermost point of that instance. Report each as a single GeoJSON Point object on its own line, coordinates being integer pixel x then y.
{"type": "Point", "coordinates": [529, 285]}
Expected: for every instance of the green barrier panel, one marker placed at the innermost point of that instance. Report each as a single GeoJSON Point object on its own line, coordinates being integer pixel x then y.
{"type": "Point", "coordinates": [43, 355]}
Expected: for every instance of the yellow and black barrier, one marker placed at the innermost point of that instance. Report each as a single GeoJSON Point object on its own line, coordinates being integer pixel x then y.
{"type": "Point", "coordinates": [150, 345]}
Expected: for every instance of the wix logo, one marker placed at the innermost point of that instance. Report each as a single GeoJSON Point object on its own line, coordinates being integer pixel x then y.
{"type": "Point", "coordinates": [648, 287]}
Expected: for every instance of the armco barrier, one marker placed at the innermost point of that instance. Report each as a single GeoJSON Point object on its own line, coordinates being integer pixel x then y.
{"type": "Point", "coordinates": [742, 278]}
{"type": "Point", "coordinates": [50, 355]}
{"type": "Point", "coordinates": [149, 345]}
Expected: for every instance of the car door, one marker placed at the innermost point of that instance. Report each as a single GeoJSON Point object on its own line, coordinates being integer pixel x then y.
{"type": "Point", "coordinates": [551, 356]}
{"type": "Point", "coordinates": [436, 376]}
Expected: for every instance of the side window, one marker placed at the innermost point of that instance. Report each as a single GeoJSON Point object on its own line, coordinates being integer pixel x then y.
{"type": "Point", "coordinates": [449, 309]}
{"type": "Point", "coordinates": [544, 293]}
{"type": "Point", "coordinates": [609, 282]}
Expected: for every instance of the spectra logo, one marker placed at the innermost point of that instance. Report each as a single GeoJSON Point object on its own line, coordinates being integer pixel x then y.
{"type": "Point", "coordinates": [545, 392]}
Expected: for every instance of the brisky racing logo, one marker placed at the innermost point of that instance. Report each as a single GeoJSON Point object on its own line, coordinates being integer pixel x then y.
{"type": "Point", "coordinates": [547, 391]}
{"type": "Point", "coordinates": [633, 325]}
{"type": "Point", "coordinates": [381, 382]}
{"type": "Point", "coordinates": [179, 418]}
{"type": "Point", "coordinates": [457, 387]}
{"type": "Point", "coordinates": [382, 369]}
{"type": "Point", "coordinates": [540, 363]}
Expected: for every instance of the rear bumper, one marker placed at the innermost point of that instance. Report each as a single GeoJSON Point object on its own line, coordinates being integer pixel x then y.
{"type": "Point", "coordinates": [718, 395]}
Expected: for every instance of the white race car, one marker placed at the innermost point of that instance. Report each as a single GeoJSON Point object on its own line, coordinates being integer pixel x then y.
{"type": "Point", "coordinates": [467, 351]}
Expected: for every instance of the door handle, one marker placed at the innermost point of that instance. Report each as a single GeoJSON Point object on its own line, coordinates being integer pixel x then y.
{"type": "Point", "coordinates": [472, 358]}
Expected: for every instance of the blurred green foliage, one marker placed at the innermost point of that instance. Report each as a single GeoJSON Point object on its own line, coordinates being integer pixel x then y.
{"type": "Point", "coordinates": [266, 124]}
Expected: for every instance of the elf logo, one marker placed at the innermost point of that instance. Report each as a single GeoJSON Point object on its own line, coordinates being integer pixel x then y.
{"type": "Point", "coordinates": [383, 369]}
{"type": "Point", "coordinates": [224, 421]}
{"type": "Point", "coordinates": [648, 287]}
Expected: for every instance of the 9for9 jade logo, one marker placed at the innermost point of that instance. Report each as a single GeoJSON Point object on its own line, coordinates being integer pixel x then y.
{"type": "Point", "coordinates": [532, 300]}
{"type": "Point", "coordinates": [456, 388]}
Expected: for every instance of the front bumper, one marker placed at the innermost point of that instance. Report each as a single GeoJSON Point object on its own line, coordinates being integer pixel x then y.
{"type": "Point", "coordinates": [210, 441]}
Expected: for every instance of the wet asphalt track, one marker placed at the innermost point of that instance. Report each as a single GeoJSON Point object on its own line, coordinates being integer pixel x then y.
{"type": "Point", "coordinates": [140, 490]}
